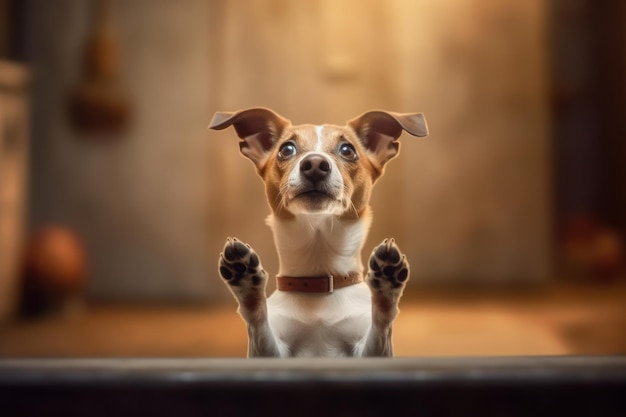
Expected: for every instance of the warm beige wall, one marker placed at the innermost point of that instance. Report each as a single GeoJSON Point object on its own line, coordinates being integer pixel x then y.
{"type": "Point", "coordinates": [469, 203]}
{"type": "Point", "coordinates": [481, 194]}
{"type": "Point", "coordinates": [139, 202]}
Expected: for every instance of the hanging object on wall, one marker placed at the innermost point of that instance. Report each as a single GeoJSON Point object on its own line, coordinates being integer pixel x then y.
{"type": "Point", "coordinates": [100, 104]}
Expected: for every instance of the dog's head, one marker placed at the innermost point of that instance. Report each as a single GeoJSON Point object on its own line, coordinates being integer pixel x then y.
{"type": "Point", "coordinates": [319, 169]}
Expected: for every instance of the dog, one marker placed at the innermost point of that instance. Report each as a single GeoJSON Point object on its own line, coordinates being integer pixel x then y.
{"type": "Point", "coordinates": [318, 182]}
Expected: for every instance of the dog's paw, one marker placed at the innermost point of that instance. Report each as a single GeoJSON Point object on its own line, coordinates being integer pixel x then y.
{"type": "Point", "coordinates": [240, 266]}
{"type": "Point", "coordinates": [387, 274]}
{"type": "Point", "coordinates": [388, 268]}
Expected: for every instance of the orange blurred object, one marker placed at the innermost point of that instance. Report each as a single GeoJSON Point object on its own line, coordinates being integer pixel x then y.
{"type": "Point", "coordinates": [592, 250]}
{"type": "Point", "coordinates": [54, 270]}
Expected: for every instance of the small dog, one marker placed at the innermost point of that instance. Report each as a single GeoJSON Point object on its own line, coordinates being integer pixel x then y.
{"type": "Point", "coordinates": [318, 182]}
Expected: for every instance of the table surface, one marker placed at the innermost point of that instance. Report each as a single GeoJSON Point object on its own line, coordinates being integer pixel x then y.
{"type": "Point", "coordinates": [481, 386]}
{"type": "Point", "coordinates": [414, 370]}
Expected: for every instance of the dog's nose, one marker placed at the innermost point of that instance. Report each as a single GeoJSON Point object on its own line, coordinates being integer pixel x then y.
{"type": "Point", "coordinates": [315, 167]}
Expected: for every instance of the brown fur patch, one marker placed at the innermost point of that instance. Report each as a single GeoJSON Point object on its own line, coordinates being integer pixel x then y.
{"type": "Point", "coordinates": [384, 304]}
{"type": "Point", "coordinates": [253, 300]}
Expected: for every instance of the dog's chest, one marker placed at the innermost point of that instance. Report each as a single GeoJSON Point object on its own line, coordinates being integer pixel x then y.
{"type": "Point", "coordinates": [321, 324]}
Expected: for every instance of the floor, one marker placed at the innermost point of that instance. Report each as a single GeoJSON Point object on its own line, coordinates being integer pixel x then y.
{"type": "Point", "coordinates": [554, 321]}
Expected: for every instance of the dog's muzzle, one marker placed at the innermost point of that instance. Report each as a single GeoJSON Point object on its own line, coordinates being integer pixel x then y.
{"type": "Point", "coordinates": [315, 185]}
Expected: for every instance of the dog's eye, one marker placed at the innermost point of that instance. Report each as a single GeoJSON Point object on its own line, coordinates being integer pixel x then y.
{"type": "Point", "coordinates": [347, 151]}
{"type": "Point", "coordinates": [287, 150]}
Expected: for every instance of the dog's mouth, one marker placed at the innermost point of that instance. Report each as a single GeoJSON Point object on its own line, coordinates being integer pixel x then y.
{"type": "Point", "coordinates": [313, 199]}
{"type": "Point", "coordinates": [302, 194]}
{"type": "Point", "coordinates": [314, 194]}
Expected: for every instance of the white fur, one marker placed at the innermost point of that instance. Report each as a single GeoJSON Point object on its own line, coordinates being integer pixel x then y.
{"type": "Point", "coordinates": [319, 131]}
{"type": "Point", "coordinates": [309, 324]}
{"type": "Point", "coordinates": [330, 325]}
{"type": "Point", "coordinates": [313, 244]}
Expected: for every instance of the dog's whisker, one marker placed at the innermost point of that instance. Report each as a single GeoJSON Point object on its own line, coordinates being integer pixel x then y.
{"type": "Point", "coordinates": [350, 204]}
{"type": "Point", "coordinates": [279, 200]}
{"type": "Point", "coordinates": [356, 212]}
{"type": "Point", "coordinates": [351, 207]}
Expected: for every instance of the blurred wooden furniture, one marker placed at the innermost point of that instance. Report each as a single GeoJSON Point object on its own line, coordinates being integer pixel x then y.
{"type": "Point", "coordinates": [13, 176]}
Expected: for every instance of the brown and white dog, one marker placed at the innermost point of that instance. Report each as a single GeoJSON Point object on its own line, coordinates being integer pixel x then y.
{"type": "Point", "coordinates": [318, 181]}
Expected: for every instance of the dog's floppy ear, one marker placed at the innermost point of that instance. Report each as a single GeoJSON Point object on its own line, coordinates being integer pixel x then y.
{"type": "Point", "coordinates": [379, 130]}
{"type": "Point", "coordinates": [259, 128]}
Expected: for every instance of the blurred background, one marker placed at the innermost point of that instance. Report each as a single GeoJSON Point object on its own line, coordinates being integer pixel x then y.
{"type": "Point", "coordinates": [115, 200]}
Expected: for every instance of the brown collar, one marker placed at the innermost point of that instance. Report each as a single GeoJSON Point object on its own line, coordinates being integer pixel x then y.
{"type": "Point", "coordinates": [324, 283]}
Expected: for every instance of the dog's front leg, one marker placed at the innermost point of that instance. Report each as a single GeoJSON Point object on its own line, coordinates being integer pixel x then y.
{"type": "Point", "coordinates": [387, 274]}
{"type": "Point", "coordinates": [241, 268]}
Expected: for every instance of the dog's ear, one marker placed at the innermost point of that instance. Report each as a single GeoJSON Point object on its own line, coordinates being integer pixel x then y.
{"type": "Point", "coordinates": [379, 130]}
{"type": "Point", "coordinates": [258, 128]}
